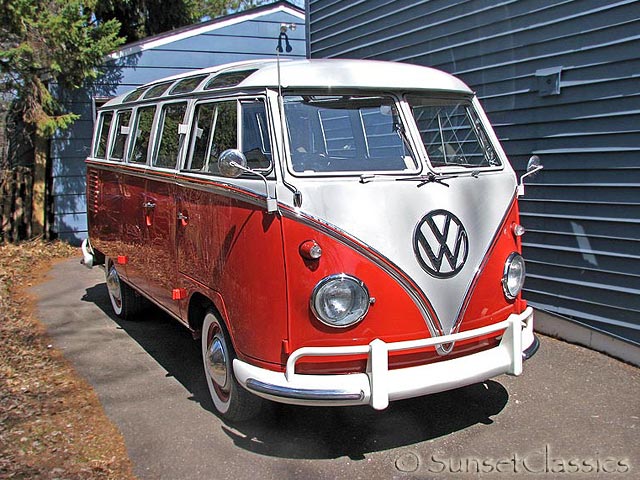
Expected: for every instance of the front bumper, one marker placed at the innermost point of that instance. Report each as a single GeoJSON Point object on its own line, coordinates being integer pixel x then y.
{"type": "Point", "coordinates": [379, 385]}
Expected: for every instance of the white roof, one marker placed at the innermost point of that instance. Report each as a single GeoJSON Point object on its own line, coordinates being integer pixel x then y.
{"type": "Point", "coordinates": [367, 74]}
{"type": "Point", "coordinates": [329, 74]}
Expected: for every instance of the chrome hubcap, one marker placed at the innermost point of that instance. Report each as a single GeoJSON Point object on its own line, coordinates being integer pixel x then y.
{"type": "Point", "coordinates": [113, 285]}
{"type": "Point", "coordinates": [217, 360]}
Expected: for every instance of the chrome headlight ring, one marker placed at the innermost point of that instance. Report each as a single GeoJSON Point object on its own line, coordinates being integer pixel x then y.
{"type": "Point", "coordinates": [513, 275]}
{"type": "Point", "coordinates": [340, 301]}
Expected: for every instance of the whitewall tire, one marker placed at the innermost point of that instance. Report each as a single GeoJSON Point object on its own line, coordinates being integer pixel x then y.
{"type": "Point", "coordinates": [230, 399]}
{"type": "Point", "coordinates": [126, 302]}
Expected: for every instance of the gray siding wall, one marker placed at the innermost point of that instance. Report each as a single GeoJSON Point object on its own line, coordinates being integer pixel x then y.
{"type": "Point", "coordinates": [246, 40]}
{"type": "Point", "coordinates": [582, 213]}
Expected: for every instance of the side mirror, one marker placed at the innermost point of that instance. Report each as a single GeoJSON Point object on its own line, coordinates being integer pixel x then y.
{"type": "Point", "coordinates": [232, 163]}
{"type": "Point", "coordinates": [534, 165]}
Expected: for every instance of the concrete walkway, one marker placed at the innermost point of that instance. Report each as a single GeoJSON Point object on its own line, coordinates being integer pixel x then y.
{"type": "Point", "coordinates": [573, 410]}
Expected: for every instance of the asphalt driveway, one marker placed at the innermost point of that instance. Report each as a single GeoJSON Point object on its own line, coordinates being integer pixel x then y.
{"type": "Point", "coordinates": [573, 411]}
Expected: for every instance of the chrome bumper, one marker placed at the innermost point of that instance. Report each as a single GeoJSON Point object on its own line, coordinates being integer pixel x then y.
{"type": "Point", "coordinates": [379, 385]}
{"type": "Point", "coordinates": [87, 254]}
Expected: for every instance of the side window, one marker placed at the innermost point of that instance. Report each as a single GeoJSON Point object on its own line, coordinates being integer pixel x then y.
{"type": "Point", "coordinates": [255, 142]}
{"type": "Point", "coordinates": [144, 122]}
{"type": "Point", "coordinates": [215, 129]}
{"type": "Point", "coordinates": [170, 141]}
{"type": "Point", "coordinates": [103, 135]}
{"type": "Point", "coordinates": [200, 136]}
{"type": "Point", "coordinates": [121, 133]}
{"type": "Point", "coordinates": [225, 135]}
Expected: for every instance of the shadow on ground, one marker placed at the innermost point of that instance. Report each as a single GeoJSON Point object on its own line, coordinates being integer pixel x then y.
{"type": "Point", "coordinates": [287, 431]}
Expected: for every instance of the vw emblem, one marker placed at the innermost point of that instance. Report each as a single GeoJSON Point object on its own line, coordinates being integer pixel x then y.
{"type": "Point", "coordinates": [440, 243]}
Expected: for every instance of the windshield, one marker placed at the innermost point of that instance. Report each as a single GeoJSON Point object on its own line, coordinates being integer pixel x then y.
{"type": "Point", "coordinates": [346, 133]}
{"type": "Point", "coordinates": [452, 132]}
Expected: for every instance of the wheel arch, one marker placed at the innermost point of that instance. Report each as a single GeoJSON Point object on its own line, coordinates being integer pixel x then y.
{"type": "Point", "coordinates": [199, 304]}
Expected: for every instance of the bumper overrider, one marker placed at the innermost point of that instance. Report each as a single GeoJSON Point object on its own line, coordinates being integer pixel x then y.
{"type": "Point", "coordinates": [379, 385]}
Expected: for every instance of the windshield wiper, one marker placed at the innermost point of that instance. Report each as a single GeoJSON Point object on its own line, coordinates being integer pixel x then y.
{"type": "Point", "coordinates": [427, 178]}
{"type": "Point", "coordinates": [423, 179]}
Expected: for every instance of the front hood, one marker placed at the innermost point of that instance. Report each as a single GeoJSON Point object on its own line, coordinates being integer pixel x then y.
{"type": "Point", "coordinates": [437, 235]}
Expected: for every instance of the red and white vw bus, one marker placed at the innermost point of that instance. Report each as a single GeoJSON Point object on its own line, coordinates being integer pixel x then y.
{"type": "Point", "coordinates": [338, 232]}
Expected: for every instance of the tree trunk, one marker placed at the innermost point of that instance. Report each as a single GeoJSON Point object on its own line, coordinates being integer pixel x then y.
{"type": "Point", "coordinates": [38, 199]}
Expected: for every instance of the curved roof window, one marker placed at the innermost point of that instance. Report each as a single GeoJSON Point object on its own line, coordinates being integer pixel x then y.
{"type": "Point", "coordinates": [135, 95]}
{"type": "Point", "coordinates": [228, 79]}
{"type": "Point", "coordinates": [187, 85]}
{"type": "Point", "coordinates": [157, 90]}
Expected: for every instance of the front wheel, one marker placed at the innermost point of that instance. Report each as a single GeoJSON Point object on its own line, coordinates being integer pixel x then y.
{"type": "Point", "coordinates": [126, 302]}
{"type": "Point", "coordinates": [231, 400]}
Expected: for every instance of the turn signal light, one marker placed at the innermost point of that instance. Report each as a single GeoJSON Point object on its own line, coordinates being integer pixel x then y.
{"type": "Point", "coordinates": [517, 229]}
{"type": "Point", "coordinates": [310, 250]}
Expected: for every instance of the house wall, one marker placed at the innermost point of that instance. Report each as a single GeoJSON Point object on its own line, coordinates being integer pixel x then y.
{"type": "Point", "coordinates": [247, 36]}
{"type": "Point", "coordinates": [558, 79]}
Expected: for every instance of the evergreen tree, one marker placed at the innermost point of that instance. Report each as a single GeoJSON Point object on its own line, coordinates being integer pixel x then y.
{"type": "Point", "coordinates": [50, 41]}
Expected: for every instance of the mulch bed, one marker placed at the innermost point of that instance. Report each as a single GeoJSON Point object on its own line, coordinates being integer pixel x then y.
{"type": "Point", "coordinates": [52, 425]}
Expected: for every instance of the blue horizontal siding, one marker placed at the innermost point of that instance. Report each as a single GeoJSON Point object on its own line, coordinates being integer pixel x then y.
{"type": "Point", "coordinates": [71, 204]}
{"type": "Point", "coordinates": [582, 212]}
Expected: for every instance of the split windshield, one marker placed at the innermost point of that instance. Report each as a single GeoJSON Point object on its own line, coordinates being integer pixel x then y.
{"type": "Point", "coordinates": [346, 133]}
{"type": "Point", "coordinates": [452, 133]}
{"type": "Point", "coordinates": [365, 133]}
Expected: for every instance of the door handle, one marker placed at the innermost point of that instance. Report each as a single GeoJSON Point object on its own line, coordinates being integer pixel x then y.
{"type": "Point", "coordinates": [148, 206]}
{"type": "Point", "coordinates": [184, 219]}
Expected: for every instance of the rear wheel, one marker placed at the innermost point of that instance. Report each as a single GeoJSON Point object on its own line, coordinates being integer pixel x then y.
{"type": "Point", "coordinates": [126, 302]}
{"type": "Point", "coordinates": [231, 400]}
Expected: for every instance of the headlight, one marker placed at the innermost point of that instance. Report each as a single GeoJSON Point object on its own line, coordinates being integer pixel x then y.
{"type": "Point", "coordinates": [340, 300]}
{"type": "Point", "coordinates": [513, 276]}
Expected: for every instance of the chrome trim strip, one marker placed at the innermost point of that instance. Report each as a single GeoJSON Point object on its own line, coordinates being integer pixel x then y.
{"type": "Point", "coordinates": [182, 179]}
{"type": "Point", "coordinates": [119, 167]}
{"type": "Point", "coordinates": [302, 394]}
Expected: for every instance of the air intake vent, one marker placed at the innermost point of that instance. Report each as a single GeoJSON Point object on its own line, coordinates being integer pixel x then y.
{"type": "Point", "coordinates": [93, 191]}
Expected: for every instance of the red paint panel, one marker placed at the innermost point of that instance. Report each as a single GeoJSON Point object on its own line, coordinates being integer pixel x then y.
{"type": "Point", "coordinates": [133, 238]}
{"type": "Point", "coordinates": [234, 248]}
{"type": "Point", "coordinates": [159, 249]}
{"type": "Point", "coordinates": [486, 303]}
{"type": "Point", "coordinates": [104, 220]}
{"type": "Point", "coordinates": [393, 317]}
